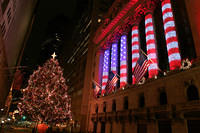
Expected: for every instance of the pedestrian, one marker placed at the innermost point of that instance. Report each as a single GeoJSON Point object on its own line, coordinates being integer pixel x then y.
{"type": "Point", "coordinates": [49, 130]}
{"type": "Point", "coordinates": [34, 130]}
{"type": "Point", "coordinates": [64, 130]}
{"type": "Point", "coordinates": [57, 130]}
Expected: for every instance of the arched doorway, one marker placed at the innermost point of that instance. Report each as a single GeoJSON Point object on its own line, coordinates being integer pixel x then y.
{"type": "Point", "coordinates": [192, 93]}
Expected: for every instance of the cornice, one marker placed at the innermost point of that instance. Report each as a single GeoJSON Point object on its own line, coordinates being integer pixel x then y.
{"type": "Point", "coordinates": [127, 17]}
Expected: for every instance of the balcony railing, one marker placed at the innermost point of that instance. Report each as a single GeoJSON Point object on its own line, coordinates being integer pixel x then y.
{"type": "Point", "coordinates": [191, 105]}
{"type": "Point", "coordinates": [162, 112]}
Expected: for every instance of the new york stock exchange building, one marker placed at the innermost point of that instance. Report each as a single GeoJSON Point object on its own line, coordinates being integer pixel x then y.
{"type": "Point", "coordinates": [166, 98]}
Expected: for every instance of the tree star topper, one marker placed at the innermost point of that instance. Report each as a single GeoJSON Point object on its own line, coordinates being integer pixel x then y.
{"type": "Point", "coordinates": [54, 55]}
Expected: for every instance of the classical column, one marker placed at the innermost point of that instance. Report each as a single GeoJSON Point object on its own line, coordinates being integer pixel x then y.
{"type": "Point", "coordinates": [123, 61]}
{"type": "Point", "coordinates": [171, 36]}
{"type": "Point", "coordinates": [99, 66]}
{"type": "Point", "coordinates": [114, 57]}
{"type": "Point", "coordinates": [105, 70]}
{"type": "Point", "coordinates": [151, 46]}
{"type": "Point", "coordinates": [135, 48]}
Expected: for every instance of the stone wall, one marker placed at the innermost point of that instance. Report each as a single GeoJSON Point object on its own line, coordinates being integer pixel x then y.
{"type": "Point", "coordinates": [175, 84]}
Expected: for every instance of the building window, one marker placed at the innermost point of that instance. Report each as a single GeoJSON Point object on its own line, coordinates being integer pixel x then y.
{"type": "Point", "coordinates": [192, 93]}
{"type": "Point", "coordinates": [4, 5]}
{"type": "Point", "coordinates": [3, 28]}
{"type": "Point", "coordinates": [103, 127]}
{"type": "Point", "coordinates": [1, 55]}
{"type": "Point", "coordinates": [193, 126]}
{"type": "Point", "coordinates": [93, 74]}
{"type": "Point", "coordinates": [14, 5]}
{"type": "Point", "coordinates": [126, 102]}
{"type": "Point", "coordinates": [104, 106]}
{"type": "Point", "coordinates": [163, 98]}
{"type": "Point", "coordinates": [114, 106]}
{"type": "Point", "coordinates": [123, 127]}
{"type": "Point", "coordinates": [164, 127]}
{"type": "Point", "coordinates": [95, 127]}
{"type": "Point", "coordinates": [97, 109]}
{"type": "Point", "coordinates": [142, 128]}
{"type": "Point", "coordinates": [141, 100]}
{"type": "Point", "coordinates": [9, 15]}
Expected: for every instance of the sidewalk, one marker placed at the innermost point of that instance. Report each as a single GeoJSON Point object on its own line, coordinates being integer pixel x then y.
{"type": "Point", "coordinates": [17, 130]}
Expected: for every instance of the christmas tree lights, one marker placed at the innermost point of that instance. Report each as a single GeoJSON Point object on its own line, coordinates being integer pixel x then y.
{"type": "Point", "coordinates": [151, 46]}
{"type": "Point", "coordinates": [45, 98]}
{"type": "Point", "coordinates": [170, 35]}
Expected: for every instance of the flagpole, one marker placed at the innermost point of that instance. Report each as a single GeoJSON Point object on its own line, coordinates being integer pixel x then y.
{"type": "Point", "coordinates": [96, 83]}
{"type": "Point", "coordinates": [116, 74]}
{"type": "Point", "coordinates": [100, 88]}
{"type": "Point", "coordinates": [150, 59]}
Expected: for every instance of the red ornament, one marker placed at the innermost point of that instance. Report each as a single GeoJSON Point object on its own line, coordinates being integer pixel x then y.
{"type": "Point", "coordinates": [42, 128]}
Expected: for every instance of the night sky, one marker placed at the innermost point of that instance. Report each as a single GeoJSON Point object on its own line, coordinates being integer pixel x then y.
{"type": "Point", "coordinates": [52, 17]}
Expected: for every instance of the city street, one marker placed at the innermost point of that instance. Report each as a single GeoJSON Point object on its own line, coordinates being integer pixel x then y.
{"type": "Point", "coordinates": [17, 130]}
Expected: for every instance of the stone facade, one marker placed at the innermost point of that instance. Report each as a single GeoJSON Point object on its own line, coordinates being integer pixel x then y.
{"type": "Point", "coordinates": [176, 112]}
{"type": "Point", "coordinates": [15, 25]}
{"type": "Point", "coordinates": [168, 103]}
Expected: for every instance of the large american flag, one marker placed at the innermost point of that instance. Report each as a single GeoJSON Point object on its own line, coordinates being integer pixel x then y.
{"type": "Point", "coordinates": [141, 67]}
{"type": "Point", "coordinates": [112, 80]}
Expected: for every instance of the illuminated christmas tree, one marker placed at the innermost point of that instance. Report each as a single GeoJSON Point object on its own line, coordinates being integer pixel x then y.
{"type": "Point", "coordinates": [45, 98]}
